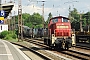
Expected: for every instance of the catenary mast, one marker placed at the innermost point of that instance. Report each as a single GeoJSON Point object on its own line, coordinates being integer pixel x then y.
{"type": "Point", "coordinates": [20, 33]}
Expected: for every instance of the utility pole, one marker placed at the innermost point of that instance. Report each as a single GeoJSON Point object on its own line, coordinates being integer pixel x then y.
{"type": "Point", "coordinates": [0, 5]}
{"type": "Point", "coordinates": [11, 22]}
{"type": "Point", "coordinates": [20, 33]}
{"type": "Point", "coordinates": [5, 1]}
{"type": "Point", "coordinates": [14, 18]}
{"type": "Point", "coordinates": [14, 21]}
{"type": "Point", "coordinates": [81, 29]}
{"type": "Point", "coordinates": [1, 8]}
{"type": "Point", "coordinates": [69, 12]}
{"type": "Point", "coordinates": [42, 13]}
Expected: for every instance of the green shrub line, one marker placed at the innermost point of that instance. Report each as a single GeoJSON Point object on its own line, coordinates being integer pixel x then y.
{"type": "Point", "coordinates": [9, 35]}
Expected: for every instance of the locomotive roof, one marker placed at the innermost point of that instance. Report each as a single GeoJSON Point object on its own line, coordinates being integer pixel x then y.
{"type": "Point", "coordinates": [59, 17]}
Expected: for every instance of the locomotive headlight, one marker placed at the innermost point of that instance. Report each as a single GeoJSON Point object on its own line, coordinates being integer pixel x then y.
{"type": "Point", "coordinates": [62, 26]}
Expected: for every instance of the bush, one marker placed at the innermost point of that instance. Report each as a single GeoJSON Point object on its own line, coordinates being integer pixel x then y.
{"type": "Point", "coordinates": [16, 31]}
{"type": "Point", "coordinates": [3, 34]}
{"type": "Point", "coordinates": [8, 37]}
{"type": "Point", "coordinates": [14, 36]}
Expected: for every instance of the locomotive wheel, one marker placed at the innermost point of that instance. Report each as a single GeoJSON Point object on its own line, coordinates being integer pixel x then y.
{"type": "Point", "coordinates": [66, 46]}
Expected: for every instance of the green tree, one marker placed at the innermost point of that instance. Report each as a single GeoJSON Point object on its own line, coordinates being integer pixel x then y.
{"type": "Point", "coordinates": [74, 15]}
{"type": "Point", "coordinates": [36, 19]}
{"type": "Point", "coordinates": [31, 20]}
{"type": "Point", "coordinates": [86, 17]}
{"type": "Point", "coordinates": [25, 17]}
{"type": "Point", "coordinates": [49, 17]}
{"type": "Point", "coordinates": [75, 18]}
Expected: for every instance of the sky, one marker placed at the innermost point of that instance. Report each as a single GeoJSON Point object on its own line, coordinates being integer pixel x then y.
{"type": "Point", "coordinates": [56, 7]}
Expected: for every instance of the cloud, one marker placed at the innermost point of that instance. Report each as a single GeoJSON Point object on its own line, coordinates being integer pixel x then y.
{"type": "Point", "coordinates": [59, 7]}
{"type": "Point", "coordinates": [34, 8]}
{"type": "Point", "coordinates": [31, 9]}
{"type": "Point", "coordinates": [88, 7]}
{"type": "Point", "coordinates": [15, 9]}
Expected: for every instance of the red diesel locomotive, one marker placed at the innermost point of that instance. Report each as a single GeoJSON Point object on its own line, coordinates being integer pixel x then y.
{"type": "Point", "coordinates": [59, 33]}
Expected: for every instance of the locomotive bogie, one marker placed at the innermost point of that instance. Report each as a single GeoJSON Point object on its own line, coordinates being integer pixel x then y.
{"type": "Point", "coordinates": [63, 43]}
{"type": "Point", "coordinates": [59, 43]}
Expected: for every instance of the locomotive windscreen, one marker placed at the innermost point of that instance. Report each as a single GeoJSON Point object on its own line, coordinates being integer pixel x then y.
{"type": "Point", "coordinates": [64, 20]}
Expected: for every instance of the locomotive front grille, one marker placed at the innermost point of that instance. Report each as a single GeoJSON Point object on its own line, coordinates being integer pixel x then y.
{"type": "Point", "coordinates": [58, 34]}
{"type": "Point", "coordinates": [61, 32]}
{"type": "Point", "coordinates": [65, 34]}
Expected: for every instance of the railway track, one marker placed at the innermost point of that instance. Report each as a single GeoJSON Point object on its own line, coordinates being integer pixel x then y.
{"type": "Point", "coordinates": [35, 52]}
{"type": "Point", "coordinates": [40, 51]}
{"type": "Point", "coordinates": [78, 55]}
{"type": "Point", "coordinates": [69, 53]}
{"type": "Point", "coordinates": [78, 45]}
{"type": "Point", "coordinates": [83, 46]}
